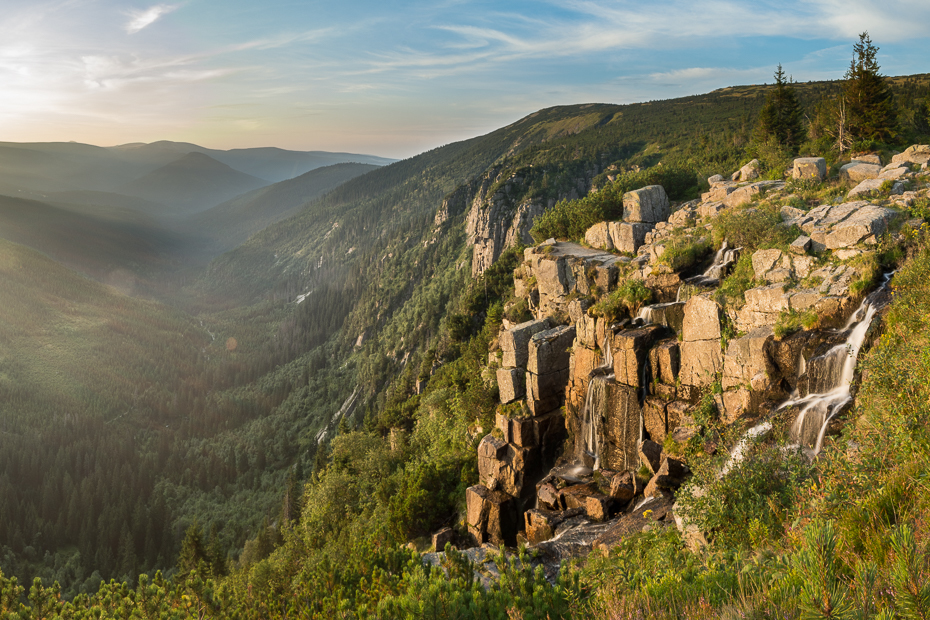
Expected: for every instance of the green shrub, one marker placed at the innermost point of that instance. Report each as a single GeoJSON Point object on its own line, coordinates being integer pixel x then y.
{"type": "Point", "coordinates": [630, 296]}
{"type": "Point", "coordinates": [569, 219]}
{"type": "Point", "coordinates": [683, 252]}
{"type": "Point", "coordinates": [732, 291]}
{"type": "Point", "coordinates": [753, 228]}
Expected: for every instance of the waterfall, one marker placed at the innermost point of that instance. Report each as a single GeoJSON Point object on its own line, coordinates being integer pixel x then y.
{"type": "Point", "coordinates": [837, 368]}
{"type": "Point", "coordinates": [742, 446]}
{"type": "Point", "coordinates": [724, 257]}
{"type": "Point", "coordinates": [594, 404]}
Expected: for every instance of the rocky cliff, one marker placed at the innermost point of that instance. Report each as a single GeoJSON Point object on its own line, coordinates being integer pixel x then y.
{"type": "Point", "coordinates": [635, 352]}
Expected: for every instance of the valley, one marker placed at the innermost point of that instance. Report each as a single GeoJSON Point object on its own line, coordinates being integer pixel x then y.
{"type": "Point", "coordinates": [264, 380]}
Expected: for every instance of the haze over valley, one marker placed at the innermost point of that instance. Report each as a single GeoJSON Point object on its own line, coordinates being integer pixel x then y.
{"type": "Point", "coordinates": [391, 317]}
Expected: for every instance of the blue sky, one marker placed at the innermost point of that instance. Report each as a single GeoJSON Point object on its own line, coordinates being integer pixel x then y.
{"type": "Point", "coordinates": [396, 78]}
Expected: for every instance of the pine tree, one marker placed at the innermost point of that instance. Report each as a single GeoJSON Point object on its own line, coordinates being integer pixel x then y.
{"type": "Point", "coordinates": [780, 117]}
{"type": "Point", "coordinates": [869, 103]}
{"type": "Point", "coordinates": [193, 555]}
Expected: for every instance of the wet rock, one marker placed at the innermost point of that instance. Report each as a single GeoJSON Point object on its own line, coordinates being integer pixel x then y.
{"type": "Point", "coordinates": [621, 427]}
{"type": "Point", "coordinates": [622, 487]}
{"type": "Point", "coordinates": [514, 342]}
{"type": "Point", "coordinates": [671, 315]}
{"type": "Point", "coordinates": [631, 351]}
{"type": "Point", "coordinates": [576, 496]}
{"type": "Point", "coordinates": [647, 204]}
{"type": "Point", "coordinates": [664, 286]}
{"type": "Point", "coordinates": [810, 168]}
{"type": "Point", "coordinates": [601, 507]}
{"type": "Point", "coordinates": [650, 455]}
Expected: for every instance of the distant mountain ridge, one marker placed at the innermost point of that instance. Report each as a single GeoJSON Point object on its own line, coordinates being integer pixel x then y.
{"type": "Point", "coordinates": [193, 182]}
{"type": "Point", "coordinates": [70, 166]}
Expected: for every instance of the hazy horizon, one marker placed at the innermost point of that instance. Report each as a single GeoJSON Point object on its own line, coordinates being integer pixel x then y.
{"type": "Point", "coordinates": [394, 82]}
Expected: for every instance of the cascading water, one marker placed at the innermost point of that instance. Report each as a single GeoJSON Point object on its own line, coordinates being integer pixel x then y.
{"type": "Point", "coordinates": [594, 404]}
{"type": "Point", "coordinates": [724, 257]}
{"type": "Point", "coordinates": [836, 371]}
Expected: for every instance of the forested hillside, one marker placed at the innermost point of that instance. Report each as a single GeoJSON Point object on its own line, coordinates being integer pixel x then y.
{"type": "Point", "coordinates": [316, 402]}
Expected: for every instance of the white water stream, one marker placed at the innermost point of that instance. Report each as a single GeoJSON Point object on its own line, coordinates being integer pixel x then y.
{"type": "Point", "coordinates": [594, 403]}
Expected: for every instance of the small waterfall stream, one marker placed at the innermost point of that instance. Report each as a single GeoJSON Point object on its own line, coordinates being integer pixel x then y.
{"type": "Point", "coordinates": [594, 404]}
{"type": "Point", "coordinates": [836, 370]}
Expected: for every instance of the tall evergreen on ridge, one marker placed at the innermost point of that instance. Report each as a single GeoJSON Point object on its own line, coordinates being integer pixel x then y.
{"type": "Point", "coordinates": [870, 111]}
{"type": "Point", "coordinates": [780, 117]}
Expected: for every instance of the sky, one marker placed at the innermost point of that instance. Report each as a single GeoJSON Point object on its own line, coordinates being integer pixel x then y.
{"type": "Point", "coordinates": [396, 78]}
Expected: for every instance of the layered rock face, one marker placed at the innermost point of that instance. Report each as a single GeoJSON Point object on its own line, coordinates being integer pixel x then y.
{"type": "Point", "coordinates": [624, 392]}
{"type": "Point", "coordinates": [499, 219]}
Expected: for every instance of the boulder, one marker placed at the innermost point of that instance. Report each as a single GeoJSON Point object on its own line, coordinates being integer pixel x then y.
{"type": "Point", "coordinates": [916, 154]}
{"type": "Point", "coordinates": [748, 172]}
{"type": "Point", "coordinates": [762, 307]}
{"type": "Point", "coordinates": [713, 180]}
{"type": "Point", "coordinates": [622, 487]}
{"type": "Point", "coordinates": [801, 245]}
{"type": "Point", "coordinates": [764, 261]}
{"type": "Point", "coordinates": [598, 236]}
{"type": "Point", "coordinates": [867, 158]}
{"type": "Point", "coordinates": [600, 507]}
{"type": "Point", "coordinates": [444, 536]}
{"type": "Point", "coordinates": [647, 204]}
{"type": "Point", "coordinates": [866, 222]}
{"type": "Point", "coordinates": [894, 174]}
{"type": "Point", "coordinates": [745, 194]}
{"type": "Point", "coordinates": [701, 320]}
{"type": "Point", "coordinates": [809, 168]}
{"type": "Point", "coordinates": [857, 171]}
{"type": "Point", "coordinates": [514, 342]}
{"type": "Point", "coordinates": [511, 383]}
{"type": "Point", "coordinates": [629, 236]}
{"type": "Point", "coordinates": [875, 185]}
{"type": "Point", "coordinates": [550, 350]}
{"type": "Point", "coordinates": [576, 496]}
{"type": "Point", "coordinates": [476, 511]}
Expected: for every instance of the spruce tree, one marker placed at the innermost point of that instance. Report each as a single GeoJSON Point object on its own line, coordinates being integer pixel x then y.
{"type": "Point", "coordinates": [193, 555]}
{"type": "Point", "coordinates": [780, 118]}
{"type": "Point", "coordinates": [869, 103]}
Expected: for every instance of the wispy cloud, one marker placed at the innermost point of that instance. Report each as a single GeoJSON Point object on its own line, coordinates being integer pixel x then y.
{"type": "Point", "coordinates": [142, 19]}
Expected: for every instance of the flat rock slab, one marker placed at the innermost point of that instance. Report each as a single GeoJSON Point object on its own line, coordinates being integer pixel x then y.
{"type": "Point", "coordinates": [839, 226]}
{"type": "Point", "coordinates": [857, 171]}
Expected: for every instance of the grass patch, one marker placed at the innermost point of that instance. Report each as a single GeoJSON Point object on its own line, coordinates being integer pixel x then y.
{"type": "Point", "coordinates": [628, 298]}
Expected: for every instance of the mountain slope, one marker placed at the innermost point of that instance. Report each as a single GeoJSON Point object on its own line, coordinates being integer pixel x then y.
{"type": "Point", "coordinates": [111, 244]}
{"type": "Point", "coordinates": [192, 183]}
{"type": "Point", "coordinates": [229, 224]}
